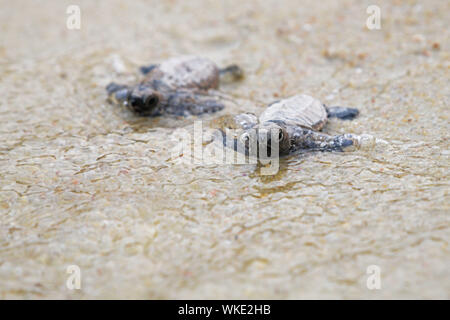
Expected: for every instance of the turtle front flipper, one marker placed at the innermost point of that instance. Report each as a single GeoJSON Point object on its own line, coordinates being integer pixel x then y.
{"type": "Point", "coordinates": [117, 93]}
{"type": "Point", "coordinates": [191, 102]}
{"type": "Point", "coordinates": [206, 106]}
{"type": "Point", "coordinates": [233, 128]}
{"type": "Point", "coordinates": [114, 87]}
{"type": "Point", "coordinates": [342, 113]}
{"type": "Point", "coordinates": [305, 139]}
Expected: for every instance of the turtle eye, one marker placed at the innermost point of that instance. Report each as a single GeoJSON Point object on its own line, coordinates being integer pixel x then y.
{"type": "Point", "coordinates": [245, 137]}
{"type": "Point", "coordinates": [135, 101]}
{"type": "Point", "coordinates": [151, 101]}
{"type": "Point", "coordinates": [280, 135]}
{"type": "Point", "coordinates": [127, 100]}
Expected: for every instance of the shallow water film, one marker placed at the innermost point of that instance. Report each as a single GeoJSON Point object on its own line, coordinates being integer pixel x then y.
{"type": "Point", "coordinates": [87, 184]}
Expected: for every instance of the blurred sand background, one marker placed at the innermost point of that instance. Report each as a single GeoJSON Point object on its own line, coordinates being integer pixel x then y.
{"type": "Point", "coordinates": [86, 183]}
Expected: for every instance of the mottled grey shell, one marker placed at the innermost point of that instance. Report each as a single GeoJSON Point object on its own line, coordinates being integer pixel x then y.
{"type": "Point", "coordinates": [299, 110]}
{"type": "Point", "coordinates": [187, 72]}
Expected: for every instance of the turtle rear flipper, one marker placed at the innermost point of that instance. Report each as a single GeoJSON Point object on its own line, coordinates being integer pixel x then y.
{"type": "Point", "coordinates": [232, 73]}
{"type": "Point", "coordinates": [147, 69]}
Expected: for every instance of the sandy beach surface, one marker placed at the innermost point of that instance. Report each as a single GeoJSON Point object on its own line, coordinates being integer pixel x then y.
{"type": "Point", "coordinates": [87, 183]}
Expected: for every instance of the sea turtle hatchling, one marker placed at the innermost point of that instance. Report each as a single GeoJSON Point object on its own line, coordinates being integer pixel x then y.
{"type": "Point", "coordinates": [179, 86]}
{"type": "Point", "coordinates": [294, 122]}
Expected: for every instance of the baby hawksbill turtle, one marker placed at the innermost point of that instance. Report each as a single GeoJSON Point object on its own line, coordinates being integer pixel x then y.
{"type": "Point", "coordinates": [295, 124]}
{"type": "Point", "coordinates": [178, 86]}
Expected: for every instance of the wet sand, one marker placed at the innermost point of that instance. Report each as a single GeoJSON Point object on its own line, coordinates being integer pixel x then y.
{"type": "Point", "coordinates": [86, 183]}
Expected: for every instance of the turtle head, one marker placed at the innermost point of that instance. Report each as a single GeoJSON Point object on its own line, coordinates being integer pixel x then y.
{"type": "Point", "coordinates": [141, 99]}
{"type": "Point", "coordinates": [267, 135]}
